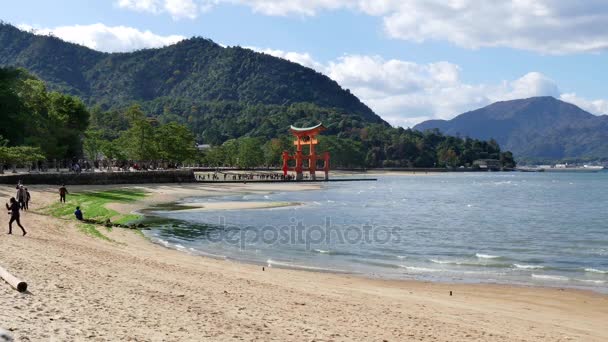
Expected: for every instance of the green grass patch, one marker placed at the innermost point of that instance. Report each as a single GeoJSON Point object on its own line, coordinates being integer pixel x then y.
{"type": "Point", "coordinates": [127, 218]}
{"type": "Point", "coordinates": [93, 206]}
{"type": "Point", "coordinates": [91, 230]}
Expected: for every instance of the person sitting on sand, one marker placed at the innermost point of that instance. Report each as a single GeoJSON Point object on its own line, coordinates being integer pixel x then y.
{"type": "Point", "coordinates": [14, 212]}
{"type": "Point", "coordinates": [62, 192]}
{"type": "Point", "coordinates": [78, 214]}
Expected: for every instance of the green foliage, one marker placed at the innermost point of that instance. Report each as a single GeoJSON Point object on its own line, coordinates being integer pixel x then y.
{"type": "Point", "coordinates": [175, 142]}
{"type": "Point", "coordinates": [250, 153]}
{"type": "Point", "coordinates": [32, 116]}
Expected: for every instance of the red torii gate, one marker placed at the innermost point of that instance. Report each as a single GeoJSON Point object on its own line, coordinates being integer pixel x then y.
{"type": "Point", "coordinates": [306, 136]}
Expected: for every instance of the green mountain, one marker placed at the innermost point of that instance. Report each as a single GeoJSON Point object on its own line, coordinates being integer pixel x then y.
{"type": "Point", "coordinates": [192, 74]}
{"type": "Point", "coordinates": [227, 96]}
{"type": "Point", "coordinates": [540, 128]}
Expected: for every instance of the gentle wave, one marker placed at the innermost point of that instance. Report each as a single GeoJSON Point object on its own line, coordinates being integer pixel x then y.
{"type": "Point", "coordinates": [470, 263]}
{"type": "Point", "coordinates": [529, 267]}
{"type": "Point", "coordinates": [487, 256]}
{"type": "Point", "coordinates": [550, 277]}
{"type": "Point", "coordinates": [594, 270]}
{"type": "Point", "coordinates": [280, 264]}
{"type": "Point", "coordinates": [322, 251]}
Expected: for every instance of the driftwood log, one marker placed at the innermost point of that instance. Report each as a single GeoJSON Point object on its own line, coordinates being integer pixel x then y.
{"type": "Point", "coordinates": [13, 281]}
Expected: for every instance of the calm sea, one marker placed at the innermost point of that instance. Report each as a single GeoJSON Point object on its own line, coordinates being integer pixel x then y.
{"type": "Point", "coordinates": [521, 228]}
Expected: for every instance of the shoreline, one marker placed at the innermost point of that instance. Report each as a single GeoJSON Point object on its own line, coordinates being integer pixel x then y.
{"type": "Point", "coordinates": [247, 205]}
{"type": "Point", "coordinates": [133, 288]}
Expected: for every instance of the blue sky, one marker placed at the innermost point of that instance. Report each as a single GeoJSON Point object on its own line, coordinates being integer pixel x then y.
{"type": "Point", "coordinates": [409, 60]}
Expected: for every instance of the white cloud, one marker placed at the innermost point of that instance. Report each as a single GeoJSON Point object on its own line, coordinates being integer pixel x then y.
{"type": "Point", "coordinates": [406, 93]}
{"type": "Point", "coordinates": [151, 6]}
{"type": "Point", "coordinates": [178, 9]}
{"type": "Point", "coordinates": [545, 26]}
{"type": "Point", "coordinates": [592, 106]}
{"type": "Point", "coordinates": [304, 59]}
{"type": "Point", "coordinates": [107, 38]}
{"type": "Point", "coordinates": [182, 9]}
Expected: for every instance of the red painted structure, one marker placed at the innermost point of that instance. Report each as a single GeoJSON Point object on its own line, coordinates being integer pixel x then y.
{"type": "Point", "coordinates": [306, 137]}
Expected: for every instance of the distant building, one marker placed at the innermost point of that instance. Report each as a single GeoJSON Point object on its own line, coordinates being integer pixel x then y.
{"type": "Point", "coordinates": [488, 164]}
{"type": "Point", "coordinates": [203, 147]}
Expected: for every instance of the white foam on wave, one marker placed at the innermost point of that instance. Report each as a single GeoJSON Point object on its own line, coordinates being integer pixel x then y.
{"type": "Point", "coordinates": [502, 183]}
{"type": "Point", "coordinates": [401, 256]}
{"type": "Point", "coordinates": [599, 282]}
{"type": "Point", "coordinates": [550, 277]}
{"type": "Point", "coordinates": [162, 242]}
{"type": "Point", "coordinates": [419, 269]}
{"type": "Point", "coordinates": [322, 251]}
{"type": "Point", "coordinates": [595, 270]}
{"type": "Point", "coordinates": [443, 261]}
{"type": "Point", "coordinates": [528, 267]}
{"type": "Point", "coordinates": [486, 256]}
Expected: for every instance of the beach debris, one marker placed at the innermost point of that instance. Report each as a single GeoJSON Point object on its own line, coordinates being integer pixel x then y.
{"type": "Point", "coordinates": [450, 293]}
{"type": "Point", "coordinates": [13, 281]}
{"type": "Point", "coordinates": [263, 269]}
{"type": "Point", "coordinates": [5, 336]}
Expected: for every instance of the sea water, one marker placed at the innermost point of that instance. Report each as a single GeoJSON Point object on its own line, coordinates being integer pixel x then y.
{"type": "Point", "coordinates": [546, 229]}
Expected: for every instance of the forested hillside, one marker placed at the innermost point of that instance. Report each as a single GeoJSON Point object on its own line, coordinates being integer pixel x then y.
{"type": "Point", "coordinates": [227, 97]}
{"type": "Point", "coordinates": [194, 70]}
{"type": "Point", "coordinates": [538, 128]}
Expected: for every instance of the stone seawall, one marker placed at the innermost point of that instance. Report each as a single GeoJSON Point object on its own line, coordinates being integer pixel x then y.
{"type": "Point", "coordinates": [100, 178]}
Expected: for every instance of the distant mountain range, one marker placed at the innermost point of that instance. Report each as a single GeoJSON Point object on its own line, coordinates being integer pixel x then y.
{"type": "Point", "coordinates": [195, 79]}
{"type": "Point", "coordinates": [533, 128]}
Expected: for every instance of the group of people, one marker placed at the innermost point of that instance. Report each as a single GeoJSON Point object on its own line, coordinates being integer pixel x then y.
{"type": "Point", "coordinates": [21, 202]}
{"type": "Point", "coordinates": [217, 176]}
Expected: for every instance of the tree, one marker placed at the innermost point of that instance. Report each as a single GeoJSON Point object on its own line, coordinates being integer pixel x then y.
{"type": "Point", "coordinates": [176, 143]}
{"type": "Point", "coordinates": [93, 144]}
{"type": "Point", "coordinates": [250, 153]}
{"type": "Point", "coordinates": [138, 142]}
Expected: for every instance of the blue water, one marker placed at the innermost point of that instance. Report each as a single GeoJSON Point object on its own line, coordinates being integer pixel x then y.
{"type": "Point", "coordinates": [546, 229]}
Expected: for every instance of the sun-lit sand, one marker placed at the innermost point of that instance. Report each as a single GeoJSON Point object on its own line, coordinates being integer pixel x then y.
{"type": "Point", "coordinates": [85, 288]}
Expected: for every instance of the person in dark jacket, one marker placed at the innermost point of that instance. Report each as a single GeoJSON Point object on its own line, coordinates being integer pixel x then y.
{"type": "Point", "coordinates": [21, 197]}
{"type": "Point", "coordinates": [14, 212]}
{"type": "Point", "coordinates": [28, 197]}
{"type": "Point", "coordinates": [62, 192]}
{"type": "Point", "coordinates": [78, 214]}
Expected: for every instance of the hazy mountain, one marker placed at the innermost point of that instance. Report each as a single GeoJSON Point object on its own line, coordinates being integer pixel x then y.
{"type": "Point", "coordinates": [538, 127]}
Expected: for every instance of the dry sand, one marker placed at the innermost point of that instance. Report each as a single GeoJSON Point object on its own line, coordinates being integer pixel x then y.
{"type": "Point", "coordinates": [83, 288]}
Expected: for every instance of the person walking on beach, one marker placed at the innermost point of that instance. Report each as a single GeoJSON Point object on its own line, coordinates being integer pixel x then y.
{"type": "Point", "coordinates": [28, 197]}
{"type": "Point", "coordinates": [62, 192]}
{"type": "Point", "coordinates": [14, 212]}
{"type": "Point", "coordinates": [21, 197]}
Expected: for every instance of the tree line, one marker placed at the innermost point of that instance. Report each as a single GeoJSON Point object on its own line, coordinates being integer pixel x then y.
{"type": "Point", "coordinates": [42, 125]}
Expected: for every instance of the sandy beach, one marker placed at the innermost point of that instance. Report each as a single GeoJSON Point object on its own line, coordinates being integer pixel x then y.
{"type": "Point", "coordinates": [129, 289]}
